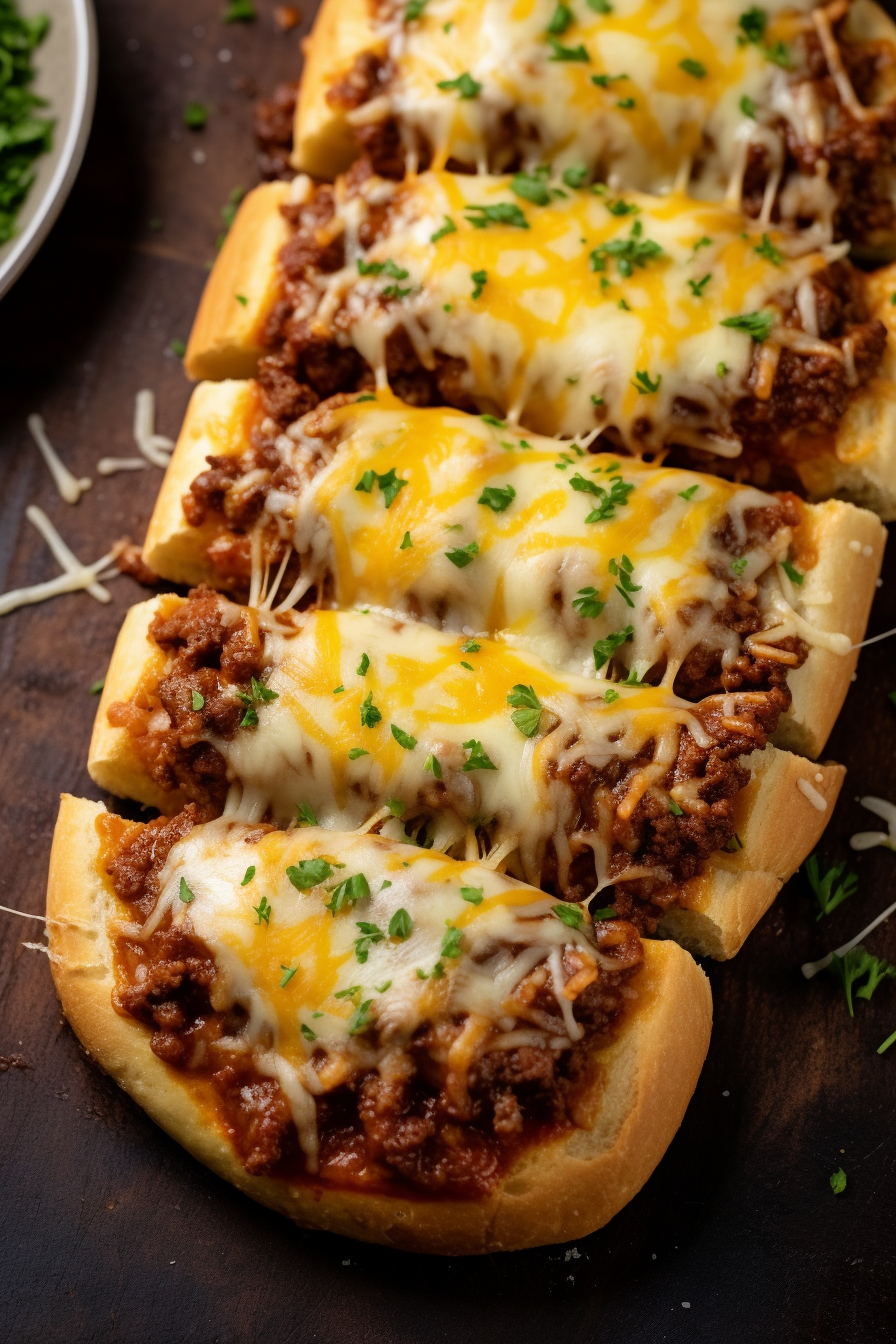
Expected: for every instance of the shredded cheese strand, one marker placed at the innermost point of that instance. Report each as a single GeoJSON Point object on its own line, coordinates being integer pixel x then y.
{"type": "Point", "coordinates": [156, 448]}
{"type": "Point", "coordinates": [70, 487]}
{"type": "Point", "coordinates": [62, 555]}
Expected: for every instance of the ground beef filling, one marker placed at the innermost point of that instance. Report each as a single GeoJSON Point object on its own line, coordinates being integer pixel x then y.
{"type": "Point", "coordinates": [860, 155]}
{"type": "Point", "coordinates": [417, 1133]}
{"type": "Point", "coordinates": [799, 414]}
{"type": "Point", "coordinates": [220, 656]}
{"type": "Point", "coordinates": [211, 659]}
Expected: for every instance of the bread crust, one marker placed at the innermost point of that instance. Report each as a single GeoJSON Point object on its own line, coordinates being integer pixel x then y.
{"type": "Point", "coordinates": [557, 1191]}
{"type": "Point", "coordinates": [226, 339]}
{"type": "Point", "coordinates": [323, 143]}
{"type": "Point", "coordinates": [777, 824]}
{"type": "Point", "coordinates": [845, 543]}
{"type": "Point", "coordinates": [225, 344]}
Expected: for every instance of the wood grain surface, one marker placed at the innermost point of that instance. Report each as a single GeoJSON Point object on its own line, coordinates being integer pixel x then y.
{"type": "Point", "coordinates": [110, 1232]}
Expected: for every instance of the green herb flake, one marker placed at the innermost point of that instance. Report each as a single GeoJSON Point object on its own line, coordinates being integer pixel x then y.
{"type": "Point", "coordinates": [611, 695]}
{"type": "Point", "coordinates": [305, 815]}
{"type": "Point", "coordinates": [451, 942]}
{"type": "Point", "coordinates": [370, 715]}
{"type": "Point", "coordinates": [675, 809]}
{"type": "Point", "coordinates": [288, 973]}
{"type": "Point", "coordinates": [625, 104]}
{"type": "Point", "coordinates": [448, 227]}
{"type": "Point", "coordinates": [689, 493]}
{"type": "Point", "coordinates": [381, 989]}
{"type": "Point", "coordinates": [406, 542]}
{"type": "Point", "coordinates": [691, 67]}
{"type": "Point", "coordinates": [758, 325]}
{"type": "Point", "coordinates": [793, 574]}
{"type": "Point", "coordinates": [629, 254]}
{"type": "Point", "coordinates": [588, 604]}
{"type": "Point", "coordinates": [605, 648]}
{"type": "Point", "coordinates": [309, 873]}
{"type": "Point", "coordinates": [355, 753]}
{"type": "Point", "coordinates": [248, 875]}
{"type": "Point", "coordinates": [186, 895]}
{"type": "Point", "coordinates": [465, 86]}
{"type": "Point", "coordinates": [402, 738]}
{"type": "Point", "coordinates": [504, 212]}
{"type": "Point", "coordinates": [838, 1181]}
{"type": "Point", "coordinates": [472, 894]}
{"type": "Point", "coordinates": [622, 570]}
{"type": "Point", "coordinates": [571, 915]}
{"type": "Point", "coordinates": [239, 11]}
{"type": "Point", "coordinates": [480, 280]}
{"type": "Point", "coordinates": [748, 107]}
{"type": "Point", "coordinates": [370, 934]}
{"type": "Point", "coordinates": [470, 646]}
{"type": "Point", "coordinates": [739, 565]}
{"type": "Point", "coordinates": [195, 116]}
{"type": "Point", "coordinates": [478, 758]}
{"type": "Point", "coordinates": [263, 911]}
{"type": "Point", "coordinates": [431, 766]}
{"type": "Point", "coordinates": [359, 1020]}
{"type": "Point", "coordinates": [413, 10]}
{"type": "Point", "coordinates": [176, 347]}
{"type": "Point", "coordinates": [561, 53]}
{"type": "Point", "coordinates": [197, 700]}
{"type": "Point", "coordinates": [461, 556]}
{"type": "Point", "coordinates": [644, 383]}
{"type": "Point", "coordinates": [306, 1030]}
{"type": "Point", "coordinates": [527, 716]}
{"type": "Point", "coordinates": [348, 893]}
{"type": "Point", "coordinates": [697, 286]}
{"type": "Point", "coordinates": [364, 664]}
{"type": "Point", "coordinates": [721, 369]}
{"type": "Point", "coordinates": [400, 925]}
{"type": "Point", "coordinates": [575, 175]}
{"type": "Point", "coordinates": [768, 251]}
{"type": "Point", "coordinates": [498, 498]}
{"type": "Point", "coordinates": [604, 81]}
{"type": "Point", "coordinates": [856, 965]}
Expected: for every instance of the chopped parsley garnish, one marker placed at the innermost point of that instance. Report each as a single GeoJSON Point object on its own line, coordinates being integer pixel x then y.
{"type": "Point", "coordinates": [626, 104]}
{"type": "Point", "coordinates": [560, 20]}
{"type": "Point", "coordinates": [692, 67]}
{"type": "Point", "coordinates": [338, 690]}
{"type": "Point", "coordinates": [364, 664]}
{"type": "Point", "coordinates": [239, 11]}
{"type": "Point", "coordinates": [575, 175]}
{"type": "Point", "coordinates": [465, 86]}
{"type": "Point", "coordinates": [609, 500]}
{"type": "Point", "coordinates": [359, 1020]}
{"type": "Point", "coordinates": [748, 107]}
{"type": "Point", "coordinates": [347, 893]}
{"type": "Point", "coordinates": [831, 888]}
{"type": "Point", "coordinates": [461, 556]}
{"type": "Point", "coordinates": [468, 666]}
{"type": "Point", "coordinates": [721, 369]}
{"type": "Point", "coordinates": [470, 646]}
{"type": "Point", "coordinates": [838, 1181]}
{"type": "Point", "coordinates": [697, 286]}
{"type": "Point", "coordinates": [793, 574]}
{"type": "Point", "coordinates": [381, 989]}
{"type": "Point", "coordinates": [451, 942]}
{"type": "Point", "coordinates": [611, 695]}
{"type": "Point", "coordinates": [778, 55]}
{"type": "Point", "coordinates": [588, 604]}
{"type": "Point", "coordinates": [370, 715]}
{"type": "Point", "coordinates": [309, 873]}
{"type": "Point", "coordinates": [752, 25]}
{"type": "Point", "coordinates": [768, 251]}
{"type": "Point", "coordinates": [480, 280]}
{"type": "Point", "coordinates": [388, 482]}
{"type": "Point", "coordinates": [758, 325]}
{"type": "Point", "coordinates": [472, 894]}
{"type": "Point", "coordinates": [395, 292]}
{"type": "Point", "coordinates": [527, 716]}
{"type": "Point", "coordinates": [248, 875]}
{"type": "Point", "coordinates": [186, 895]}
{"type": "Point", "coordinates": [531, 187]}
{"type": "Point", "coordinates": [263, 910]}
{"type": "Point", "coordinates": [497, 497]}
{"type": "Point", "coordinates": [241, 299]}
{"type": "Point", "coordinates": [636, 250]}
{"type": "Point", "coordinates": [402, 738]}
{"type": "Point", "coordinates": [431, 766]}
{"type": "Point", "coordinates": [689, 493]}
{"type": "Point", "coordinates": [478, 758]}
{"type": "Point", "coordinates": [605, 648]}
{"type": "Point", "coordinates": [195, 116]}
{"type": "Point", "coordinates": [306, 1031]}
{"type": "Point", "coordinates": [622, 570]}
{"type": "Point", "coordinates": [632, 679]}
{"type": "Point", "coordinates": [413, 10]}
{"type": "Point", "coordinates": [354, 753]}
{"type": "Point", "coordinates": [448, 227]}
{"type": "Point", "coordinates": [675, 809]}
{"type": "Point", "coordinates": [600, 6]}
{"type": "Point", "coordinates": [739, 565]}
{"type": "Point", "coordinates": [644, 383]}
{"type": "Point", "coordinates": [854, 966]}
{"type": "Point", "coordinates": [505, 212]}
{"type": "Point", "coordinates": [606, 912]}
{"type": "Point", "coordinates": [388, 267]}
{"type": "Point", "coordinates": [571, 915]}
{"type": "Point", "coordinates": [493, 420]}
{"type": "Point", "coordinates": [370, 934]}
{"type": "Point", "coordinates": [257, 692]}
{"type": "Point", "coordinates": [406, 542]}
{"type": "Point", "coordinates": [604, 81]}
{"type": "Point", "coordinates": [178, 348]}
{"type": "Point", "coordinates": [198, 700]}
{"type": "Point", "coordinates": [305, 815]}
{"type": "Point", "coordinates": [400, 925]}
{"type": "Point", "coordinates": [288, 973]}
{"type": "Point", "coordinates": [347, 993]}
{"type": "Point", "coordinates": [561, 53]}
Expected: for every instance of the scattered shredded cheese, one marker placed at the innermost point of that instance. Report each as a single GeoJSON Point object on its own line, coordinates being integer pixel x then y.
{"type": "Point", "coordinates": [108, 466]}
{"type": "Point", "coordinates": [156, 448]}
{"type": "Point", "coordinates": [809, 791]}
{"type": "Point", "coordinates": [70, 487]}
{"type": "Point", "coordinates": [76, 575]}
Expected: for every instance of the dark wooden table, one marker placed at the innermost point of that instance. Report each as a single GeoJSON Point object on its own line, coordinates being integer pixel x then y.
{"type": "Point", "coordinates": [110, 1231]}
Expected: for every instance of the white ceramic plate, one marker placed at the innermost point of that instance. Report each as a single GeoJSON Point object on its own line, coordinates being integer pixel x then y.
{"type": "Point", "coordinates": [66, 76]}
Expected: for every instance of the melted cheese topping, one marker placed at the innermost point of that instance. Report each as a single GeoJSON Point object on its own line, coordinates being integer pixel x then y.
{"type": "Point", "coordinates": [653, 123]}
{"type": "Point", "coordinates": [373, 716]}
{"type": "Point", "coordinates": [311, 988]}
{"type": "Point", "coordinates": [587, 312]}
{"type": "Point", "coordinates": [525, 502]}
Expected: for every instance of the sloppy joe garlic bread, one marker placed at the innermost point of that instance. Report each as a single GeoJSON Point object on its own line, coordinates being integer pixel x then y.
{"type": "Point", "coordinates": [367, 721]}
{"type": "Point", "coordinates": [705, 94]}
{"type": "Point", "coordinates": [698, 551]}
{"type": "Point", "coordinates": [291, 1008]}
{"type": "Point", "coordinates": [658, 321]}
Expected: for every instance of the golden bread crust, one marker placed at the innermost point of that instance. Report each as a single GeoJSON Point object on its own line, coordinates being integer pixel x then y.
{"type": "Point", "coordinates": [323, 144]}
{"type": "Point", "coordinates": [558, 1191]}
